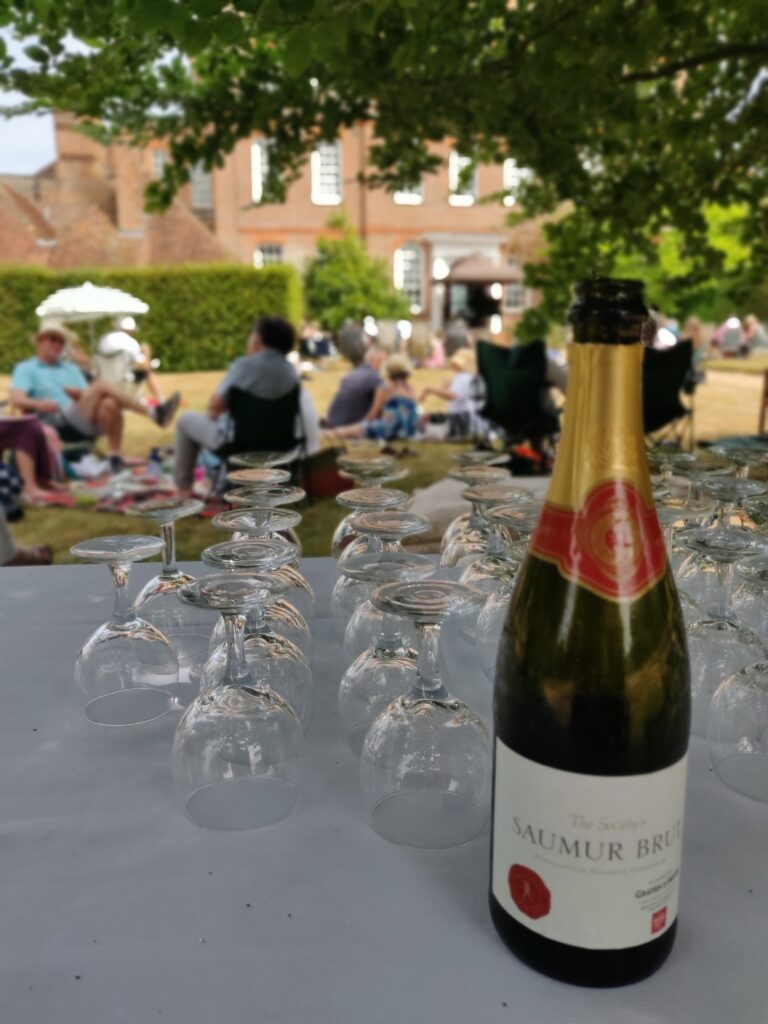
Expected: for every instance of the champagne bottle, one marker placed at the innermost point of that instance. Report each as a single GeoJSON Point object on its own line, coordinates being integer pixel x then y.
{"type": "Point", "coordinates": [592, 696]}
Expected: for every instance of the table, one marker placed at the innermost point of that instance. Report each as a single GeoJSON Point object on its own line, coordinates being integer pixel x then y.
{"type": "Point", "coordinates": [116, 910]}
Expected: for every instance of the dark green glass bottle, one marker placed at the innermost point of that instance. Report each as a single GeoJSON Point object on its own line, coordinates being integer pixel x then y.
{"type": "Point", "coordinates": [592, 698]}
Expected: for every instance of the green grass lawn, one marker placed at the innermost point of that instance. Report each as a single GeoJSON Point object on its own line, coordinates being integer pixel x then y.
{"type": "Point", "coordinates": [62, 527]}
{"type": "Point", "coordinates": [728, 403]}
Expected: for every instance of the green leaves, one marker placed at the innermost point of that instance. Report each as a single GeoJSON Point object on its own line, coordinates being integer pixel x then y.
{"type": "Point", "coordinates": [630, 115]}
{"type": "Point", "coordinates": [342, 282]}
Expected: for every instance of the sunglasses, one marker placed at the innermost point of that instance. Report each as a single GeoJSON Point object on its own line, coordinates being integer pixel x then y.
{"type": "Point", "coordinates": [52, 337]}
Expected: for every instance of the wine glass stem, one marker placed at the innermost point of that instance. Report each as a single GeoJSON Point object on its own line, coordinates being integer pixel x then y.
{"type": "Point", "coordinates": [669, 536]}
{"type": "Point", "coordinates": [123, 610]}
{"type": "Point", "coordinates": [236, 665]}
{"type": "Point", "coordinates": [168, 533]}
{"type": "Point", "coordinates": [496, 544]}
{"type": "Point", "coordinates": [725, 582]}
{"type": "Point", "coordinates": [390, 640]}
{"type": "Point", "coordinates": [428, 682]}
{"type": "Point", "coordinates": [476, 516]}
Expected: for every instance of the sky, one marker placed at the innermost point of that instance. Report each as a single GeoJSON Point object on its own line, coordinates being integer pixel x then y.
{"type": "Point", "coordinates": [26, 143]}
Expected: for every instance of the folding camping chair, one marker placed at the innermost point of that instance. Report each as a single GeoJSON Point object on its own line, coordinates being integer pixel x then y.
{"type": "Point", "coordinates": [668, 374]}
{"type": "Point", "coordinates": [517, 395]}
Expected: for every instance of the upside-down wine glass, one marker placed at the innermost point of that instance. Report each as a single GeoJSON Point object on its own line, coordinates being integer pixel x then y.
{"type": "Point", "coordinates": [383, 533]}
{"type": "Point", "coordinates": [718, 645]}
{"type": "Point", "coordinates": [738, 731]}
{"type": "Point", "coordinates": [471, 541]}
{"type": "Point", "coordinates": [187, 628]}
{"type": "Point", "coordinates": [252, 522]}
{"type": "Point", "coordinates": [495, 576]}
{"type": "Point", "coordinates": [744, 454]}
{"type": "Point", "coordinates": [424, 765]}
{"type": "Point", "coordinates": [280, 661]}
{"type": "Point", "coordinates": [471, 476]}
{"type": "Point", "coordinates": [363, 499]}
{"type": "Point", "coordinates": [730, 493]}
{"type": "Point", "coordinates": [235, 751]}
{"type": "Point", "coordinates": [127, 669]}
{"type": "Point", "coordinates": [383, 670]}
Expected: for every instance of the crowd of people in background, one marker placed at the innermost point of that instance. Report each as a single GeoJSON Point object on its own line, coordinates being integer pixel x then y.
{"type": "Point", "coordinates": [67, 396]}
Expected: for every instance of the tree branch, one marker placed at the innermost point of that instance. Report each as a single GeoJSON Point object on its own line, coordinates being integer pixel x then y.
{"type": "Point", "coordinates": [722, 53]}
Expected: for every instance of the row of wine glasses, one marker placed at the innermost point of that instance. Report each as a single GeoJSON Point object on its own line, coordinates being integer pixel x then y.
{"type": "Point", "coordinates": [231, 651]}
{"type": "Point", "coordinates": [243, 687]}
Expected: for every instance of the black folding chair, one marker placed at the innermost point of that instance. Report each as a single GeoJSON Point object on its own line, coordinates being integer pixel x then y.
{"type": "Point", "coordinates": [262, 424]}
{"type": "Point", "coordinates": [667, 375]}
{"type": "Point", "coordinates": [517, 394]}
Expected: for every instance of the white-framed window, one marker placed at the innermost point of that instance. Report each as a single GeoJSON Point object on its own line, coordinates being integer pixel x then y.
{"type": "Point", "coordinates": [259, 168]}
{"type": "Point", "coordinates": [513, 176]}
{"type": "Point", "coordinates": [268, 253]}
{"type": "Point", "coordinates": [412, 196]}
{"type": "Point", "coordinates": [201, 189]}
{"type": "Point", "coordinates": [408, 274]}
{"type": "Point", "coordinates": [159, 160]}
{"type": "Point", "coordinates": [325, 168]}
{"type": "Point", "coordinates": [462, 193]}
{"type": "Point", "coordinates": [515, 293]}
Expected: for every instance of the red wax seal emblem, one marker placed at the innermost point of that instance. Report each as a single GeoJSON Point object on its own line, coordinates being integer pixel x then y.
{"type": "Point", "coordinates": [528, 891]}
{"type": "Point", "coordinates": [612, 544]}
{"type": "Point", "coordinates": [658, 920]}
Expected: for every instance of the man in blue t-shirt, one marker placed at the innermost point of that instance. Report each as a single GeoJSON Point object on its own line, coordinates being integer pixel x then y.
{"type": "Point", "coordinates": [54, 388]}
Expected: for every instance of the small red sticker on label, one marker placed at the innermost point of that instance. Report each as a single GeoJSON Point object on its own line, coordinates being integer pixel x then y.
{"type": "Point", "coordinates": [612, 544]}
{"type": "Point", "coordinates": [659, 920]}
{"type": "Point", "coordinates": [528, 891]}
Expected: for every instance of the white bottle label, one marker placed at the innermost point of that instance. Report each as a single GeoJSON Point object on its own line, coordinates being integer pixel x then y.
{"type": "Point", "coordinates": [588, 860]}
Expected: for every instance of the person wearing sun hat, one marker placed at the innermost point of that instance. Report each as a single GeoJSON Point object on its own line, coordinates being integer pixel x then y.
{"type": "Point", "coordinates": [394, 413]}
{"type": "Point", "coordinates": [55, 389]}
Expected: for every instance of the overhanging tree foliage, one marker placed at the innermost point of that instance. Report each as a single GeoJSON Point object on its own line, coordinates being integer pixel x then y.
{"type": "Point", "coordinates": [631, 114]}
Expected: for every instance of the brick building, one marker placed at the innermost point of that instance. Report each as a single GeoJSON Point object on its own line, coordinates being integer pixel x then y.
{"type": "Point", "coordinates": [86, 208]}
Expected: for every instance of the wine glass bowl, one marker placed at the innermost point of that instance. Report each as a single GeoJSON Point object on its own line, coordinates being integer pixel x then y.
{"type": "Point", "coordinates": [275, 634]}
{"type": "Point", "coordinates": [382, 531]}
{"type": "Point", "coordinates": [127, 669]}
{"type": "Point", "coordinates": [424, 764]}
{"type": "Point", "coordinates": [738, 731]}
{"type": "Point", "coordinates": [470, 541]}
{"type": "Point", "coordinates": [363, 624]}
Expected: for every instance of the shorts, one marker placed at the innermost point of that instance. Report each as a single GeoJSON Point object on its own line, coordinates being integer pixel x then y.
{"type": "Point", "coordinates": [71, 425]}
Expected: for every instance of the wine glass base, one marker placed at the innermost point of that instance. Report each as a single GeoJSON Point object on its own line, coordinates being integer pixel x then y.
{"type": "Point", "coordinates": [428, 819]}
{"type": "Point", "coordinates": [133, 706]}
{"type": "Point", "coordinates": [746, 774]}
{"type": "Point", "coordinates": [239, 805]}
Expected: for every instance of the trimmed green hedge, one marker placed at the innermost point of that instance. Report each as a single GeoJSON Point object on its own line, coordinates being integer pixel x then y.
{"type": "Point", "coordinates": [199, 314]}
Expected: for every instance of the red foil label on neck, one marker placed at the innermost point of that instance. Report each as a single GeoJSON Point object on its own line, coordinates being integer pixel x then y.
{"type": "Point", "coordinates": [612, 544]}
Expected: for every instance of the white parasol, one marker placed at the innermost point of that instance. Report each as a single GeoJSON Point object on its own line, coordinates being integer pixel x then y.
{"type": "Point", "coordinates": [89, 302]}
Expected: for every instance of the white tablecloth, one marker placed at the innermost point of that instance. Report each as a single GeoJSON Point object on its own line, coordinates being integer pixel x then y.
{"type": "Point", "coordinates": [116, 909]}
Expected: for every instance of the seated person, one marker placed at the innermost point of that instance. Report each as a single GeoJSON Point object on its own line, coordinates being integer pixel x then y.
{"type": "Point", "coordinates": [264, 372]}
{"type": "Point", "coordinates": [357, 388]}
{"type": "Point", "coordinates": [394, 413]}
{"type": "Point", "coordinates": [56, 390]}
{"type": "Point", "coordinates": [464, 394]}
{"type": "Point", "coordinates": [121, 342]}
{"type": "Point", "coordinates": [37, 460]}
